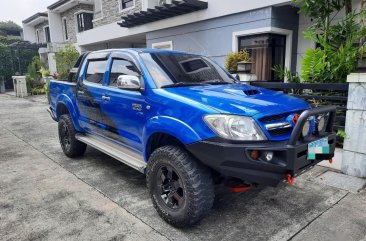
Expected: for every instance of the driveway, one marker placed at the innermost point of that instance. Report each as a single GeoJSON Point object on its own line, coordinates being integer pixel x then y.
{"type": "Point", "coordinates": [46, 196]}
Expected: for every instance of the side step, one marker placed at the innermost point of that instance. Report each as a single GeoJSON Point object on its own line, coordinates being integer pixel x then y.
{"type": "Point", "coordinates": [114, 150]}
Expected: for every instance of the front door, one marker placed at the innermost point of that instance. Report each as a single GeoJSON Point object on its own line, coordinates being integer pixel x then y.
{"type": "Point", "coordinates": [124, 112]}
{"type": "Point", "coordinates": [90, 95]}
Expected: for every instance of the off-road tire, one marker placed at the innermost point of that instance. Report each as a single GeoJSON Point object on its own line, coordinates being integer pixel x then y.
{"type": "Point", "coordinates": [197, 185]}
{"type": "Point", "coordinates": [70, 146]}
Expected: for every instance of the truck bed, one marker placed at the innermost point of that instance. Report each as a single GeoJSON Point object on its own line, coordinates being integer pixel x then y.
{"type": "Point", "coordinates": [60, 90]}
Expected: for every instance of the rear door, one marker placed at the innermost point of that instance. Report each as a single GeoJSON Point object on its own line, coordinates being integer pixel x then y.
{"type": "Point", "coordinates": [89, 94]}
{"type": "Point", "coordinates": [124, 111]}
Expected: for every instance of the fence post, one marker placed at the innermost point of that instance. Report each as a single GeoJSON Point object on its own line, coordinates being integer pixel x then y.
{"type": "Point", "coordinates": [354, 155]}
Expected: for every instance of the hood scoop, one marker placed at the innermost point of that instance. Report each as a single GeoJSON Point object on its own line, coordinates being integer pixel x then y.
{"type": "Point", "coordinates": [251, 92]}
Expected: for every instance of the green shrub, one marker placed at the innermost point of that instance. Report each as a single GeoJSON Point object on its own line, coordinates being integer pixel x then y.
{"type": "Point", "coordinates": [44, 72]}
{"type": "Point", "coordinates": [38, 91]}
{"type": "Point", "coordinates": [234, 58]}
{"type": "Point", "coordinates": [33, 76]}
{"type": "Point", "coordinates": [282, 73]}
{"type": "Point", "coordinates": [339, 45]}
{"type": "Point", "coordinates": [314, 66]}
{"type": "Point", "coordinates": [6, 68]}
{"type": "Point", "coordinates": [46, 88]}
{"type": "Point", "coordinates": [65, 60]}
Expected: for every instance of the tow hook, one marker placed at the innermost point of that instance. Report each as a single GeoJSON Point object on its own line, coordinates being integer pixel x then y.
{"type": "Point", "coordinates": [290, 179]}
{"type": "Point", "coordinates": [238, 186]}
{"type": "Point", "coordinates": [330, 161]}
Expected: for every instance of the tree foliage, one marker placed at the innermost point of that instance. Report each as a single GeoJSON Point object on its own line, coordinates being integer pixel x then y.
{"type": "Point", "coordinates": [6, 41]}
{"type": "Point", "coordinates": [339, 44]}
{"type": "Point", "coordinates": [9, 26]}
{"type": "Point", "coordinates": [313, 65]}
{"type": "Point", "coordinates": [282, 73]}
{"type": "Point", "coordinates": [65, 59]}
{"type": "Point", "coordinates": [5, 63]}
{"type": "Point", "coordinates": [33, 76]}
{"type": "Point", "coordinates": [14, 59]}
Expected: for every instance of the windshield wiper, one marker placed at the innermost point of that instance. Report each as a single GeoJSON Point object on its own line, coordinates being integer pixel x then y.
{"type": "Point", "coordinates": [179, 84]}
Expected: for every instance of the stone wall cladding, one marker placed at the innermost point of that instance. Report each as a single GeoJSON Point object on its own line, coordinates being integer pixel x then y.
{"type": "Point", "coordinates": [71, 21]}
{"type": "Point", "coordinates": [354, 155]}
{"type": "Point", "coordinates": [40, 27]}
{"type": "Point", "coordinates": [111, 12]}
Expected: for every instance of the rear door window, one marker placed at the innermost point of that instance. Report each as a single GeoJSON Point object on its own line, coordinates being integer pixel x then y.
{"type": "Point", "coordinates": [95, 71]}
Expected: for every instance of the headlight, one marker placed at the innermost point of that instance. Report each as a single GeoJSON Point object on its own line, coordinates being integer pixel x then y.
{"type": "Point", "coordinates": [235, 127]}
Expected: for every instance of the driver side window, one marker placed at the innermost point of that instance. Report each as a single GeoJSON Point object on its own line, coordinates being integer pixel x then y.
{"type": "Point", "coordinates": [121, 67]}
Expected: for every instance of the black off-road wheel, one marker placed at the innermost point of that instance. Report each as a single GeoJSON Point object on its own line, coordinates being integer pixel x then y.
{"type": "Point", "coordinates": [181, 188]}
{"type": "Point", "coordinates": [66, 133]}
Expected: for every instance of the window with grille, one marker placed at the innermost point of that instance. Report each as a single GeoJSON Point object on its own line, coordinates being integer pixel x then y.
{"type": "Point", "coordinates": [37, 36]}
{"type": "Point", "coordinates": [84, 21]}
{"type": "Point", "coordinates": [65, 29]}
{"type": "Point", "coordinates": [47, 34]}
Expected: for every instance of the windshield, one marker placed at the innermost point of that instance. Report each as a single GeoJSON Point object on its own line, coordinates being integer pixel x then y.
{"type": "Point", "coordinates": [175, 69]}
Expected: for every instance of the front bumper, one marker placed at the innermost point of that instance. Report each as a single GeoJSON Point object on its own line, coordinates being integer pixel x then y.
{"type": "Point", "coordinates": [290, 157]}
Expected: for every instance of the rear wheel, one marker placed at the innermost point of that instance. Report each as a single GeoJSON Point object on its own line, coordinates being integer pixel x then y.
{"type": "Point", "coordinates": [180, 187]}
{"type": "Point", "coordinates": [66, 132]}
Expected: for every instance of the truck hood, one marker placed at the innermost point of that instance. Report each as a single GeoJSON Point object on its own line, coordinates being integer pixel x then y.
{"type": "Point", "coordinates": [241, 99]}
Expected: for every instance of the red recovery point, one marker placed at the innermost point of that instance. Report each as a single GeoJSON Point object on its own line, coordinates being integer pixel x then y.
{"type": "Point", "coordinates": [238, 186]}
{"type": "Point", "coordinates": [290, 179]}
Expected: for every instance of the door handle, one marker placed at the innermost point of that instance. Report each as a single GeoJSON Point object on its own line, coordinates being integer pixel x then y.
{"type": "Point", "coordinates": [106, 98]}
{"type": "Point", "coordinates": [80, 92]}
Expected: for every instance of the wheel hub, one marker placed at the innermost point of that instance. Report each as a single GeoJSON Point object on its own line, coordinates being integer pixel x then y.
{"type": "Point", "coordinates": [66, 137]}
{"type": "Point", "coordinates": [171, 187]}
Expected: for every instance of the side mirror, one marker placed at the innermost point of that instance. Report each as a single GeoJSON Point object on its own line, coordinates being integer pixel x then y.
{"type": "Point", "coordinates": [128, 82]}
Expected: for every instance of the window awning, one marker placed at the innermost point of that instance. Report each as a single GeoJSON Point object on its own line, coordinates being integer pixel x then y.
{"type": "Point", "coordinates": [162, 12]}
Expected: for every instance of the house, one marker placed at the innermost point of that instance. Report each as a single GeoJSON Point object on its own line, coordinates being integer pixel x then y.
{"type": "Point", "coordinates": [271, 30]}
{"type": "Point", "coordinates": [58, 27]}
{"type": "Point", "coordinates": [36, 28]}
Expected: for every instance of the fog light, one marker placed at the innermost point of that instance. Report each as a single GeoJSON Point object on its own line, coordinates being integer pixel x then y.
{"type": "Point", "coordinates": [269, 155]}
{"type": "Point", "coordinates": [320, 123]}
{"type": "Point", "coordinates": [306, 128]}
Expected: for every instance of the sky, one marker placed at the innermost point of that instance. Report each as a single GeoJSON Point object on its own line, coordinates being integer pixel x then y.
{"type": "Point", "coordinates": [18, 10]}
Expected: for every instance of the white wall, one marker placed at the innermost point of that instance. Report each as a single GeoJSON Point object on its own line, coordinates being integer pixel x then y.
{"type": "Point", "coordinates": [29, 33]}
{"type": "Point", "coordinates": [216, 8]}
{"type": "Point", "coordinates": [55, 23]}
{"type": "Point", "coordinates": [52, 63]}
{"type": "Point", "coordinates": [111, 45]}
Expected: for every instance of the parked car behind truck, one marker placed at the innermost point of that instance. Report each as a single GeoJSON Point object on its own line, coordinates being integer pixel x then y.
{"type": "Point", "coordinates": [184, 121]}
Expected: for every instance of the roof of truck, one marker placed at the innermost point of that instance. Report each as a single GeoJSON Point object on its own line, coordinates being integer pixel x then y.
{"type": "Point", "coordinates": [141, 50]}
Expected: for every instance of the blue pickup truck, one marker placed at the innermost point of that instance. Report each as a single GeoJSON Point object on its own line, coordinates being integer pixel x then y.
{"type": "Point", "coordinates": [188, 124]}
